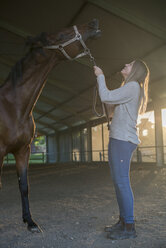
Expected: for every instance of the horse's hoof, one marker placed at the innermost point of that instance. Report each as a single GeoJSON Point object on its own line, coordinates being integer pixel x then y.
{"type": "Point", "coordinates": [34, 228]}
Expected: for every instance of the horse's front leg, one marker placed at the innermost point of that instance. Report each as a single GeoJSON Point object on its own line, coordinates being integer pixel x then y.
{"type": "Point", "coordinates": [22, 161]}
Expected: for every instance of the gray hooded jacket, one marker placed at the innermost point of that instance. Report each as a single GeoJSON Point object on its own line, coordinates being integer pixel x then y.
{"type": "Point", "coordinates": [126, 101]}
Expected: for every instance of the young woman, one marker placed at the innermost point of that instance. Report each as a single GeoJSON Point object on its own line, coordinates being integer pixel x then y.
{"type": "Point", "coordinates": [127, 102]}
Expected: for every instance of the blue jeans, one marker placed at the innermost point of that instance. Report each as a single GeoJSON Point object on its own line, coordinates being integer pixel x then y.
{"type": "Point", "coordinates": [120, 153]}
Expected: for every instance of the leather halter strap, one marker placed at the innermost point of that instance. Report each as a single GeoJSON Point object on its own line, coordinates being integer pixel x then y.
{"type": "Point", "coordinates": [78, 37]}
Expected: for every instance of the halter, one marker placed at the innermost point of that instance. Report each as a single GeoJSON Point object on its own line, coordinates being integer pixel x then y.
{"type": "Point", "coordinates": [78, 37]}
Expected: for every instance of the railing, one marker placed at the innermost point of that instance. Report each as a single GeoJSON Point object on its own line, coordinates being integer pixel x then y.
{"type": "Point", "coordinates": [141, 154]}
{"type": "Point", "coordinates": [38, 157]}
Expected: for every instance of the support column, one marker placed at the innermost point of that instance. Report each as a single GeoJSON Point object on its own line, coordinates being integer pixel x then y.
{"type": "Point", "coordinates": [52, 149]}
{"type": "Point", "coordinates": [103, 157]}
{"type": "Point", "coordinates": [158, 133]}
{"type": "Point", "coordinates": [57, 148]}
{"type": "Point", "coordinates": [47, 157]}
{"type": "Point", "coordinates": [71, 136]}
{"type": "Point", "coordinates": [89, 146]}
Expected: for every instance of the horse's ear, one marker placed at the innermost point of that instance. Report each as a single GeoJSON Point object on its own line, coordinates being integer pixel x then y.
{"type": "Point", "coordinates": [37, 41]}
{"type": "Point", "coordinates": [29, 41]}
{"type": "Point", "coordinates": [60, 37]}
{"type": "Point", "coordinates": [43, 38]}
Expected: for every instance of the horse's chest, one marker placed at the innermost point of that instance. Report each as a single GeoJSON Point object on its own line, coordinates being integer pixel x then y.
{"type": "Point", "coordinates": [17, 134]}
{"type": "Point", "coordinates": [21, 131]}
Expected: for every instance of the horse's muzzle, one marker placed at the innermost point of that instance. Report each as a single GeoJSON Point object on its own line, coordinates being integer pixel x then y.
{"type": "Point", "coordinates": [95, 25]}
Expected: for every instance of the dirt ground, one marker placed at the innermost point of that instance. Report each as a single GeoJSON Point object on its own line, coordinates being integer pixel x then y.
{"type": "Point", "coordinates": [72, 204]}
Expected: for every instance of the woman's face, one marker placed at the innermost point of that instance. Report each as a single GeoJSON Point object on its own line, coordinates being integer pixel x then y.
{"type": "Point", "coordinates": [127, 69]}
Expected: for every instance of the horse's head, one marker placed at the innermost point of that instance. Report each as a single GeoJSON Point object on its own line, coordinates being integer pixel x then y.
{"type": "Point", "coordinates": [68, 43]}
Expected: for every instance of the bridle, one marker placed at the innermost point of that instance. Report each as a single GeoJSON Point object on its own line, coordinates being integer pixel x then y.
{"type": "Point", "coordinates": [78, 37]}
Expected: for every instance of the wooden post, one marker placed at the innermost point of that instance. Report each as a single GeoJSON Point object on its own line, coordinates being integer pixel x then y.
{"type": "Point", "coordinates": [158, 133]}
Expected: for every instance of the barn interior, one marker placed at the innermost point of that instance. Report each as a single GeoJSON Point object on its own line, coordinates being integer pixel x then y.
{"type": "Point", "coordinates": [64, 111]}
{"type": "Point", "coordinates": [69, 173]}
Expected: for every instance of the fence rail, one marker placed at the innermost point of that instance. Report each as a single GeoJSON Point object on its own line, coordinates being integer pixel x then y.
{"type": "Point", "coordinates": [141, 154]}
{"type": "Point", "coordinates": [38, 157]}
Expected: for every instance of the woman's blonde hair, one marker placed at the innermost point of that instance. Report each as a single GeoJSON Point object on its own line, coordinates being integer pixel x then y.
{"type": "Point", "coordinates": [140, 73]}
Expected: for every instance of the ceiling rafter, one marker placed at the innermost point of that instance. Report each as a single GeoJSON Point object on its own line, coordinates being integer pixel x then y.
{"type": "Point", "coordinates": [58, 84]}
{"type": "Point", "coordinates": [149, 104]}
{"type": "Point", "coordinates": [64, 108]}
{"type": "Point", "coordinates": [57, 105]}
{"type": "Point", "coordinates": [47, 125]}
{"type": "Point", "coordinates": [13, 29]}
{"type": "Point", "coordinates": [133, 19]}
{"type": "Point", "coordinates": [55, 83]}
{"type": "Point", "coordinates": [123, 15]}
{"type": "Point", "coordinates": [38, 130]}
{"type": "Point", "coordinates": [67, 101]}
{"type": "Point", "coordinates": [80, 112]}
{"type": "Point", "coordinates": [38, 111]}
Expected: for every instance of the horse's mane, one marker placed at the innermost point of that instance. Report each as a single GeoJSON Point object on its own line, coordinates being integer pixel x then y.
{"type": "Point", "coordinates": [35, 45]}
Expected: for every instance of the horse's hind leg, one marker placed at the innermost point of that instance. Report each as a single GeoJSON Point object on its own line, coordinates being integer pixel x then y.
{"type": "Point", "coordinates": [22, 160]}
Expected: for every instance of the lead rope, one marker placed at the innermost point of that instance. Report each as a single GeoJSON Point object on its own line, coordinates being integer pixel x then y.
{"type": "Point", "coordinates": [104, 108]}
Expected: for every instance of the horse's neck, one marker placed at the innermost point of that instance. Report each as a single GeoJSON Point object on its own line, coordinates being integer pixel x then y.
{"type": "Point", "coordinates": [30, 87]}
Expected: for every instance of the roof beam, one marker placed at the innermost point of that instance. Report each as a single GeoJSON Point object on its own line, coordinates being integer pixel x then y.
{"type": "Point", "coordinates": [41, 131]}
{"type": "Point", "coordinates": [47, 125]}
{"type": "Point", "coordinates": [133, 19]}
{"type": "Point", "coordinates": [57, 120]}
{"type": "Point", "coordinates": [56, 104]}
{"type": "Point", "coordinates": [14, 30]}
{"type": "Point", "coordinates": [64, 103]}
{"type": "Point", "coordinates": [66, 109]}
{"type": "Point", "coordinates": [150, 104]}
{"type": "Point", "coordinates": [54, 82]}
{"type": "Point", "coordinates": [36, 110]}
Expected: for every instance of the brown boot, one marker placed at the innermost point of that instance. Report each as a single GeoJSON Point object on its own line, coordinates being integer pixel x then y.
{"type": "Point", "coordinates": [116, 226]}
{"type": "Point", "coordinates": [126, 232]}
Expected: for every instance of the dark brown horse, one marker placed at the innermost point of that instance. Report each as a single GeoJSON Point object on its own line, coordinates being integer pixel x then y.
{"type": "Point", "coordinates": [19, 93]}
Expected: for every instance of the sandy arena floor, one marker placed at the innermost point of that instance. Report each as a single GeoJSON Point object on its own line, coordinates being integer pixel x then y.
{"type": "Point", "coordinates": [72, 204]}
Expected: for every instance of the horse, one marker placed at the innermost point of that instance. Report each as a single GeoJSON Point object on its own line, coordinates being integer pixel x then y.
{"type": "Point", "coordinates": [21, 90]}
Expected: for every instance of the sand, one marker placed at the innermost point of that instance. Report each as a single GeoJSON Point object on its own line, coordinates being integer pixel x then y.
{"type": "Point", "coordinates": [73, 203]}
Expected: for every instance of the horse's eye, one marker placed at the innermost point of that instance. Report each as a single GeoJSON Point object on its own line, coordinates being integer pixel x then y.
{"type": "Point", "coordinates": [60, 37]}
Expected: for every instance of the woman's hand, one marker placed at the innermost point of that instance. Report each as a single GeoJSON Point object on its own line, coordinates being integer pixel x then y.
{"type": "Point", "coordinates": [97, 71]}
